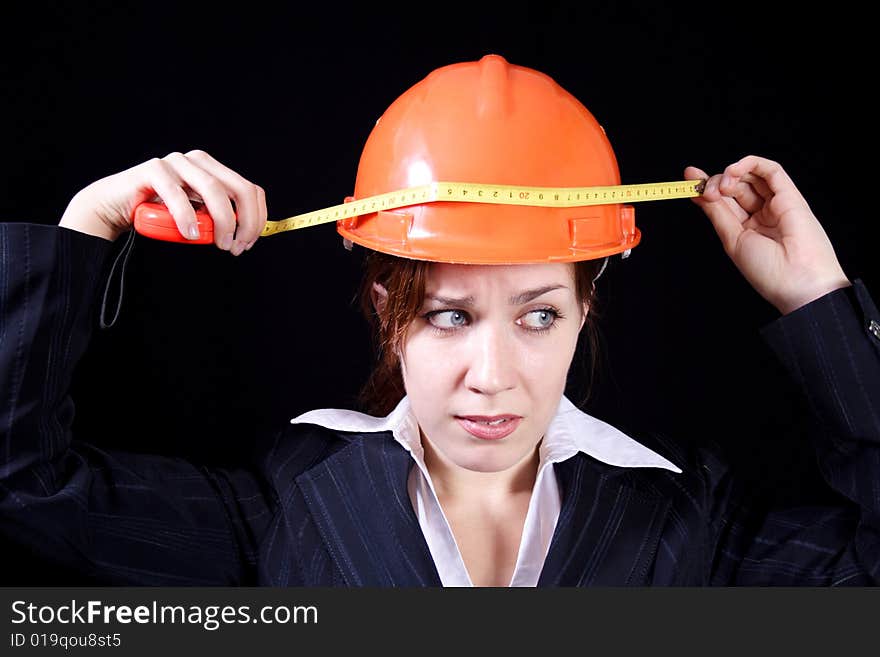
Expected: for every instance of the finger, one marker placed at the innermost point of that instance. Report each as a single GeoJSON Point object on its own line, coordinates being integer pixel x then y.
{"type": "Point", "coordinates": [769, 173]}
{"type": "Point", "coordinates": [694, 173]}
{"type": "Point", "coordinates": [724, 217]}
{"type": "Point", "coordinates": [757, 183]}
{"type": "Point", "coordinates": [771, 230]}
{"type": "Point", "coordinates": [193, 197]}
{"type": "Point", "coordinates": [164, 180]}
{"type": "Point", "coordinates": [214, 193]}
{"type": "Point", "coordinates": [742, 200]}
{"type": "Point", "coordinates": [251, 217]}
{"type": "Point", "coordinates": [264, 214]}
{"type": "Point", "coordinates": [713, 194]}
{"type": "Point", "coordinates": [743, 192]}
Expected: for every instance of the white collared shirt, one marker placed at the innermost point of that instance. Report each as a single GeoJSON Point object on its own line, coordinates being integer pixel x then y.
{"type": "Point", "coordinates": [570, 431]}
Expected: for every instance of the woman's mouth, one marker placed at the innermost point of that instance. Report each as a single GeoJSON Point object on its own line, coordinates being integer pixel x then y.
{"type": "Point", "coordinates": [489, 428]}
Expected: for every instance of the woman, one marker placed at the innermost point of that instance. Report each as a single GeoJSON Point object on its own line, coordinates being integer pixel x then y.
{"type": "Point", "coordinates": [480, 472]}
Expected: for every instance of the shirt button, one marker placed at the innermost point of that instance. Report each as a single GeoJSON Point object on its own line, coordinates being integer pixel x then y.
{"type": "Point", "coordinates": [874, 328]}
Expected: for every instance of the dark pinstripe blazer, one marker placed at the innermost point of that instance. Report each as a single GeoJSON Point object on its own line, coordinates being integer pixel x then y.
{"type": "Point", "coordinates": [328, 508]}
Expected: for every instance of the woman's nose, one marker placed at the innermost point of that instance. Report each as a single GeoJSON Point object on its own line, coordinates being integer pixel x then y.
{"type": "Point", "coordinates": [491, 361]}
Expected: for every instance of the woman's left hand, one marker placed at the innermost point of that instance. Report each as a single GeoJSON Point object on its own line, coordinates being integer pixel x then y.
{"type": "Point", "coordinates": [770, 233]}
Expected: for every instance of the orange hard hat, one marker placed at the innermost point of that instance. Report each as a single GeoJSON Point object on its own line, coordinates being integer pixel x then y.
{"type": "Point", "coordinates": [489, 122]}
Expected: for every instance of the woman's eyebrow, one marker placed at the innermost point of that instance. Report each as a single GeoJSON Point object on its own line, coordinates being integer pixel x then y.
{"type": "Point", "coordinates": [528, 295]}
{"type": "Point", "coordinates": [516, 300]}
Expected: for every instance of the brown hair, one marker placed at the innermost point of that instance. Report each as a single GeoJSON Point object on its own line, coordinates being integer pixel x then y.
{"type": "Point", "coordinates": [405, 279]}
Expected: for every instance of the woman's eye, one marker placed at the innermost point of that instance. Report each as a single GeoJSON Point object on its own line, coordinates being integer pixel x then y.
{"type": "Point", "coordinates": [540, 319]}
{"type": "Point", "coordinates": [448, 319]}
{"type": "Point", "coordinates": [536, 320]}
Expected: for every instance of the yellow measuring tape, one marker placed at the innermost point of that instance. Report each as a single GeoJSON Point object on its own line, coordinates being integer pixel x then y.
{"type": "Point", "coordinates": [556, 197]}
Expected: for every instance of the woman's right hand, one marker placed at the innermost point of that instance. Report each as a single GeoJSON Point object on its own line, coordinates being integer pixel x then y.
{"type": "Point", "coordinates": [105, 208]}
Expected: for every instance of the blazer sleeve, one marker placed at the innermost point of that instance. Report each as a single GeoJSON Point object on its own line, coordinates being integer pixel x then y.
{"type": "Point", "coordinates": [116, 517]}
{"type": "Point", "coordinates": [831, 350]}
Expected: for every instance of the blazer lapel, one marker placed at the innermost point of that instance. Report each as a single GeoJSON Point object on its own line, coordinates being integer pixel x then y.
{"type": "Point", "coordinates": [358, 499]}
{"type": "Point", "coordinates": [608, 531]}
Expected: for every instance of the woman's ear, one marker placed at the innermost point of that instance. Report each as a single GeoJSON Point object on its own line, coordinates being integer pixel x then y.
{"type": "Point", "coordinates": [585, 310]}
{"type": "Point", "coordinates": [379, 297]}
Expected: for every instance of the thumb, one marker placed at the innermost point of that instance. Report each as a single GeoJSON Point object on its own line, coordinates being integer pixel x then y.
{"type": "Point", "coordinates": [693, 173]}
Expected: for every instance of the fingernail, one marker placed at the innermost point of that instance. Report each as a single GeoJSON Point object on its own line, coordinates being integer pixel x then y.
{"type": "Point", "coordinates": [249, 245]}
{"type": "Point", "coordinates": [226, 242]}
{"type": "Point", "coordinates": [726, 180]}
{"type": "Point", "coordinates": [193, 232]}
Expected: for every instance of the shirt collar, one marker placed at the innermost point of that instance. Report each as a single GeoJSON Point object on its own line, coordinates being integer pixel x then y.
{"type": "Point", "coordinates": [570, 431]}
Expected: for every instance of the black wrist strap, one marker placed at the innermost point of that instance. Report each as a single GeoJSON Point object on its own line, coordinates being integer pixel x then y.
{"type": "Point", "coordinates": [123, 255]}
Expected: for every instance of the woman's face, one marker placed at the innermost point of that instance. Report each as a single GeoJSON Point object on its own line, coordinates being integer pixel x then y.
{"type": "Point", "coordinates": [491, 340]}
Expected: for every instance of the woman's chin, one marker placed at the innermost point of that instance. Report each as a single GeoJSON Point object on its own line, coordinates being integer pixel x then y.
{"type": "Point", "coordinates": [487, 463]}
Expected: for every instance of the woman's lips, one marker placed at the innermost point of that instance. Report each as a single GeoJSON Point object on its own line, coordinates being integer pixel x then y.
{"type": "Point", "coordinates": [476, 426]}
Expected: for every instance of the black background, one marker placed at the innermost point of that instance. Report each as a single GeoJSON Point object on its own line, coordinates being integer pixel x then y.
{"type": "Point", "coordinates": [210, 350]}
